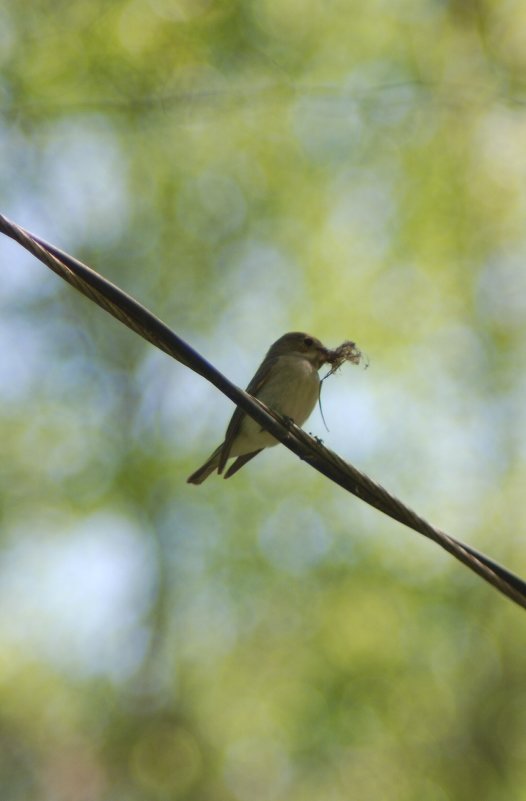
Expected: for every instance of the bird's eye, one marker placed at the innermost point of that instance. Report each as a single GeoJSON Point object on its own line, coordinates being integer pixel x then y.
{"type": "Point", "coordinates": [308, 341]}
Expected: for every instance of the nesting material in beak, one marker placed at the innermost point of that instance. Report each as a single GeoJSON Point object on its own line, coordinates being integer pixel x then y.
{"type": "Point", "coordinates": [346, 352]}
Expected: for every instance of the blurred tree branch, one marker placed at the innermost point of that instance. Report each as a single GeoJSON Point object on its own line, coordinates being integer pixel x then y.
{"type": "Point", "coordinates": [139, 319]}
{"type": "Point", "coordinates": [451, 94]}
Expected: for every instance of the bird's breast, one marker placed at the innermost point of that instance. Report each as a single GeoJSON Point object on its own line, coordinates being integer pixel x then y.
{"type": "Point", "coordinates": [292, 388]}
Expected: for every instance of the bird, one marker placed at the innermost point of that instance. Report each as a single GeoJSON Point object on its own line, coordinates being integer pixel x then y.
{"type": "Point", "coordinates": [287, 381]}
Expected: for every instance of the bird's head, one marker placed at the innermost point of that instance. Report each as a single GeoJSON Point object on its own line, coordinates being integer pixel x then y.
{"type": "Point", "coordinates": [300, 344]}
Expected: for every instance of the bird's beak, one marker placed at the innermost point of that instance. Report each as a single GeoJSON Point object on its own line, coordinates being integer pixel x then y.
{"type": "Point", "coordinates": [325, 356]}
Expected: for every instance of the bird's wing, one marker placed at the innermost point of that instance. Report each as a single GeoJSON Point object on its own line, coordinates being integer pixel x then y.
{"type": "Point", "coordinates": [237, 418]}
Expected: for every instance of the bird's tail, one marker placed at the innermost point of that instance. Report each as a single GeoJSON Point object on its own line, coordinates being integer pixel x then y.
{"type": "Point", "coordinates": [208, 467]}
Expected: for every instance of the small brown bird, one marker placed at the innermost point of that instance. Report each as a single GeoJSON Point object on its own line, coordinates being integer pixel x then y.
{"type": "Point", "coordinates": [286, 381]}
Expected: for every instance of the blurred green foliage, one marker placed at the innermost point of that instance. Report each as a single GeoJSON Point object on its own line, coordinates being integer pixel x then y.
{"type": "Point", "coordinates": [357, 170]}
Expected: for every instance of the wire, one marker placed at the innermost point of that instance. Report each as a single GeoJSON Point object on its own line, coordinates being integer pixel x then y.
{"type": "Point", "coordinates": [143, 322]}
